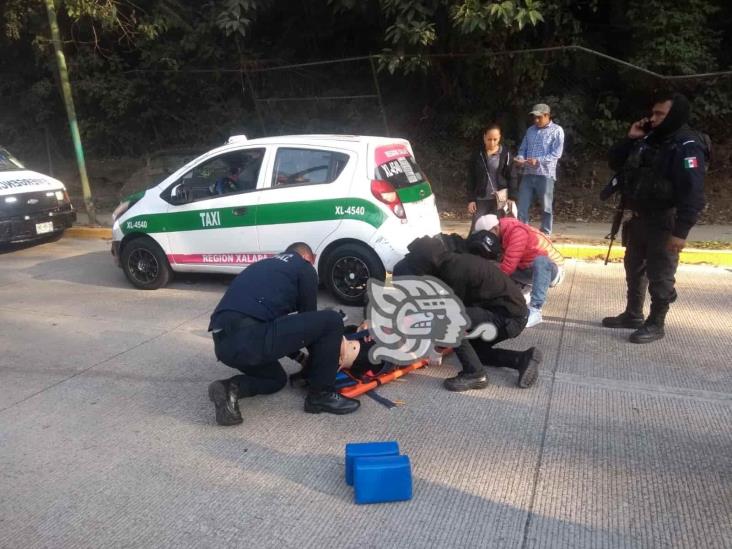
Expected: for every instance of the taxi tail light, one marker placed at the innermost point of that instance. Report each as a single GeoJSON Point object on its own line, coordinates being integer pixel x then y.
{"type": "Point", "coordinates": [385, 192]}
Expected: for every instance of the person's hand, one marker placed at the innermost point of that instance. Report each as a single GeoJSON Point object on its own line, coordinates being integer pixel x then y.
{"type": "Point", "coordinates": [519, 160]}
{"type": "Point", "coordinates": [472, 208]}
{"type": "Point", "coordinates": [365, 326]}
{"type": "Point", "coordinates": [533, 161]}
{"type": "Point", "coordinates": [637, 129]}
{"type": "Point", "coordinates": [675, 244]}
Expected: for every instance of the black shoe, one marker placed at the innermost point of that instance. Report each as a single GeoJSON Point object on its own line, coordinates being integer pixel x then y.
{"type": "Point", "coordinates": [623, 320]}
{"type": "Point", "coordinates": [647, 333]}
{"type": "Point", "coordinates": [466, 382]}
{"type": "Point", "coordinates": [331, 402]}
{"type": "Point", "coordinates": [225, 396]}
{"type": "Point", "coordinates": [529, 367]}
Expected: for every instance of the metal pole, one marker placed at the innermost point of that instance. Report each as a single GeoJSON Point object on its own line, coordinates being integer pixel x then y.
{"type": "Point", "coordinates": [48, 150]}
{"type": "Point", "coordinates": [70, 111]}
{"type": "Point", "coordinates": [378, 92]}
{"type": "Point", "coordinates": [255, 100]}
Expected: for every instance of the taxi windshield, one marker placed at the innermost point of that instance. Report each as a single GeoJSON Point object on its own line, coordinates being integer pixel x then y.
{"type": "Point", "coordinates": [8, 162]}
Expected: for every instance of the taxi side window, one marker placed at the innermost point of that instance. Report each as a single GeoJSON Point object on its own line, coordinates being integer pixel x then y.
{"type": "Point", "coordinates": [230, 173]}
{"type": "Point", "coordinates": [307, 167]}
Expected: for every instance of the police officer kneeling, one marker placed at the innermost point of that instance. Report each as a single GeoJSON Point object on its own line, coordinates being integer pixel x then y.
{"type": "Point", "coordinates": [661, 171]}
{"type": "Point", "coordinates": [253, 328]}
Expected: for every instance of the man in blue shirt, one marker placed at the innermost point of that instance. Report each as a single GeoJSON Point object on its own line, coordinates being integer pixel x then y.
{"type": "Point", "coordinates": [254, 326]}
{"type": "Point", "coordinates": [538, 154]}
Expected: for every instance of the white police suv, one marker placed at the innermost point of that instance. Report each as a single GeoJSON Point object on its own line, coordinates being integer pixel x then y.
{"type": "Point", "coordinates": [33, 206]}
{"type": "Point", "coordinates": [357, 201]}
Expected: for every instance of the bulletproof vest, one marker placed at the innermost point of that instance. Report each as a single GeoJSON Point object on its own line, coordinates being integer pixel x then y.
{"type": "Point", "coordinates": [645, 185]}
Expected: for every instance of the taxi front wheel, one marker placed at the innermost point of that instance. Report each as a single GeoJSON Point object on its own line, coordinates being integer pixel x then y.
{"type": "Point", "coordinates": [145, 264]}
{"type": "Point", "coordinates": [347, 271]}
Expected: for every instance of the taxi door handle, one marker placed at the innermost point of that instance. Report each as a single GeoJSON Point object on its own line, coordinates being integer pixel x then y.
{"type": "Point", "coordinates": [239, 211]}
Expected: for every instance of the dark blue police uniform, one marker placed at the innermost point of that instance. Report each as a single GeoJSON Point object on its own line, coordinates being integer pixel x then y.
{"type": "Point", "coordinates": [253, 326]}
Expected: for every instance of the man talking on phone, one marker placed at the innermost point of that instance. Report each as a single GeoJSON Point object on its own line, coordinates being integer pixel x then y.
{"type": "Point", "coordinates": [661, 167]}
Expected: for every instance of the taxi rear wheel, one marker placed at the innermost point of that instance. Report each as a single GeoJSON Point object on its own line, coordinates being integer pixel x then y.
{"type": "Point", "coordinates": [348, 269]}
{"type": "Point", "coordinates": [145, 265]}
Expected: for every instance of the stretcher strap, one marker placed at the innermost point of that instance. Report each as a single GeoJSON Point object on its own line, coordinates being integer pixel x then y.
{"type": "Point", "coordinates": [380, 399]}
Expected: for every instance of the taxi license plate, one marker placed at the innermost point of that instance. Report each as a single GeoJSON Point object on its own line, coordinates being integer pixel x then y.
{"type": "Point", "coordinates": [43, 228]}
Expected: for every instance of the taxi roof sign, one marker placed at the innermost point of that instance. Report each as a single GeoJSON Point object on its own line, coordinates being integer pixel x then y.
{"type": "Point", "coordinates": [236, 139]}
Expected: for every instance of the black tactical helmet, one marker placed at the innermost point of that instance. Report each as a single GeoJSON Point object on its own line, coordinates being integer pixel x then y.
{"type": "Point", "coordinates": [486, 244]}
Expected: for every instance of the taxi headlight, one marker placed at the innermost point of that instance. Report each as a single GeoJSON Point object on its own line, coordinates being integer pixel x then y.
{"type": "Point", "coordinates": [119, 210]}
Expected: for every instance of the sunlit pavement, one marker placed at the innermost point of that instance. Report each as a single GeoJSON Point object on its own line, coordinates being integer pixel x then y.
{"type": "Point", "coordinates": [107, 437]}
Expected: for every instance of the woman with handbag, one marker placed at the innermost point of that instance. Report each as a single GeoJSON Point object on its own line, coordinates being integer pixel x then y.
{"type": "Point", "coordinates": [492, 179]}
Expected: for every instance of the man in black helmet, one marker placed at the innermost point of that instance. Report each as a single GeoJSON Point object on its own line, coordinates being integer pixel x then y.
{"type": "Point", "coordinates": [661, 168]}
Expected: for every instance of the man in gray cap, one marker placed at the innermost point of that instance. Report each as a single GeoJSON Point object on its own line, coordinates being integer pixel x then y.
{"type": "Point", "coordinates": [538, 154]}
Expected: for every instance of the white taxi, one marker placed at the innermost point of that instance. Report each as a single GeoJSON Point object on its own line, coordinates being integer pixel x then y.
{"type": "Point", "coordinates": [358, 201]}
{"type": "Point", "coordinates": [33, 206]}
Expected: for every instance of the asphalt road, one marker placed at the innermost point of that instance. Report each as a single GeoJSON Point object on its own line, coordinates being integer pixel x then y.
{"type": "Point", "coordinates": [107, 438]}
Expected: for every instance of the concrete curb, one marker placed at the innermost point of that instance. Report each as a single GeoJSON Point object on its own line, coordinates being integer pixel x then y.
{"type": "Point", "coordinates": [690, 256]}
{"type": "Point", "coordinates": [104, 233]}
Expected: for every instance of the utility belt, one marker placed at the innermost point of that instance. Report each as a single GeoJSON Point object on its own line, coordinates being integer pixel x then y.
{"type": "Point", "coordinates": [230, 322]}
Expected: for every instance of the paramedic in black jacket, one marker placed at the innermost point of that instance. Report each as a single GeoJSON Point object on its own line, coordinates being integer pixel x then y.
{"type": "Point", "coordinates": [489, 296]}
{"type": "Point", "coordinates": [661, 167]}
{"type": "Point", "coordinates": [253, 328]}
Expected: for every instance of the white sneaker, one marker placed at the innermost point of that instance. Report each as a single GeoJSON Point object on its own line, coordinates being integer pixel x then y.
{"type": "Point", "coordinates": [557, 280]}
{"type": "Point", "coordinates": [534, 317]}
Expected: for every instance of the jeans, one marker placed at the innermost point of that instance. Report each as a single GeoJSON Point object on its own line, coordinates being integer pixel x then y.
{"type": "Point", "coordinates": [539, 275]}
{"type": "Point", "coordinates": [536, 187]}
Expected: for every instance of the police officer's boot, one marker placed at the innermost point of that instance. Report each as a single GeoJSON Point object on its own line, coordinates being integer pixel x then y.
{"type": "Point", "coordinates": [327, 400]}
{"type": "Point", "coordinates": [652, 329]}
{"type": "Point", "coordinates": [465, 381]}
{"type": "Point", "coordinates": [225, 396]}
{"type": "Point", "coordinates": [632, 317]}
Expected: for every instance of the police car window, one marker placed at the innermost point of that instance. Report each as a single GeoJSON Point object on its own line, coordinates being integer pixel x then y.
{"type": "Point", "coordinates": [8, 162]}
{"type": "Point", "coordinates": [230, 173]}
{"type": "Point", "coordinates": [307, 167]}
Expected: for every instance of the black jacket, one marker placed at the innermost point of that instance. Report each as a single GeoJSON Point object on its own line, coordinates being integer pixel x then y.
{"type": "Point", "coordinates": [476, 281]}
{"type": "Point", "coordinates": [681, 161]}
{"type": "Point", "coordinates": [271, 288]}
{"type": "Point", "coordinates": [477, 180]}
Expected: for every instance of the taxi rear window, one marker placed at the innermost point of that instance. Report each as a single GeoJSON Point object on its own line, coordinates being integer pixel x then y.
{"type": "Point", "coordinates": [395, 164]}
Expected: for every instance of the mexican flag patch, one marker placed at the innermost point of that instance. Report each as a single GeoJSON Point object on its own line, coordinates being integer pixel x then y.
{"type": "Point", "coordinates": [691, 162]}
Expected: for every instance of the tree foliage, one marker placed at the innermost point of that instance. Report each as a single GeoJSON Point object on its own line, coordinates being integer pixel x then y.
{"type": "Point", "coordinates": [154, 73]}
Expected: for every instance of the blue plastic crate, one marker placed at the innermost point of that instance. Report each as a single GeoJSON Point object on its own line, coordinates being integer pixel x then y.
{"type": "Point", "coordinates": [382, 479]}
{"type": "Point", "coordinates": [367, 449]}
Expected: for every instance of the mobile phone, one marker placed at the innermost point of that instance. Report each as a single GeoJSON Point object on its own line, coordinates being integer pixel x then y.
{"type": "Point", "coordinates": [647, 126]}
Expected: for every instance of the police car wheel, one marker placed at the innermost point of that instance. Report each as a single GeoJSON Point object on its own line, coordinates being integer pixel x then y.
{"type": "Point", "coordinates": [145, 264]}
{"type": "Point", "coordinates": [348, 269]}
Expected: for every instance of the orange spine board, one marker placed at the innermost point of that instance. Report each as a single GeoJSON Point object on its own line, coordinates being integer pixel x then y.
{"type": "Point", "coordinates": [361, 388]}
